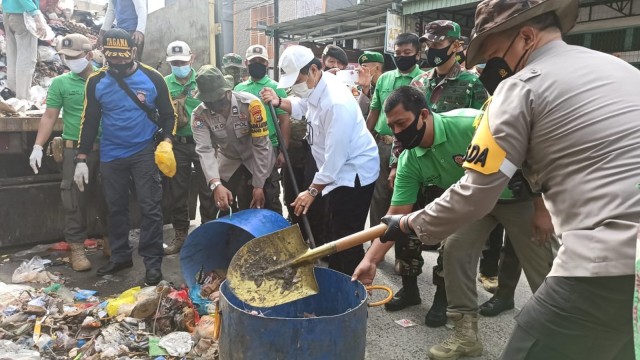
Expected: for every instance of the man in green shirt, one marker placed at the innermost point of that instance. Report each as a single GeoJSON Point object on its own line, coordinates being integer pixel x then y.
{"type": "Point", "coordinates": [233, 69]}
{"type": "Point", "coordinates": [257, 62]}
{"type": "Point", "coordinates": [407, 54]}
{"type": "Point", "coordinates": [182, 86]}
{"type": "Point", "coordinates": [67, 92]}
{"type": "Point", "coordinates": [436, 146]}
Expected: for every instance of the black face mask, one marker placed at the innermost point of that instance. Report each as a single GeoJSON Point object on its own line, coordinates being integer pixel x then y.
{"type": "Point", "coordinates": [437, 57]}
{"type": "Point", "coordinates": [219, 106]}
{"type": "Point", "coordinates": [405, 63]}
{"type": "Point", "coordinates": [497, 69]}
{"type": "Point", "coordinates": [411, 137]}
{"type": "Point", "coordinates": [257, 70]}
{"type": "Point", "coordinates": [120, 69]}
{"type": "Point", "coordinates": [461, 57]}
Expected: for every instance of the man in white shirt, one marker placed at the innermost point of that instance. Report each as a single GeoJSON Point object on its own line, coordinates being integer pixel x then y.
{"type": "Point", "coordinates": [342, 147]}
{"type": "Point", "coordinates": [129, 15]}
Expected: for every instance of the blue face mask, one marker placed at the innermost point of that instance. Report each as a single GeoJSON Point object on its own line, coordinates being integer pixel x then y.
{"type": "Point", "coordinates": [181, 72]}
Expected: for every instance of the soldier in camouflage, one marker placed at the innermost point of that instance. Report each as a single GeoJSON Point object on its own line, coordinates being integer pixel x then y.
{"type": "Point", "coordinates": [233, 68]}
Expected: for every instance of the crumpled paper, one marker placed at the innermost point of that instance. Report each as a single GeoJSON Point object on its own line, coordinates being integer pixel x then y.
{"type": "Point", "coordinates": [178, 343]}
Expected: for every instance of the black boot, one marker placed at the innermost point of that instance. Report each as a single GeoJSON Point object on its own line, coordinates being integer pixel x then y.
{"type": "Point", "coordinates": [496, 305]}
{"type": "Point", "coordinates": [409, 295]}
{"type": "Point", "coordinates": [437, 315]}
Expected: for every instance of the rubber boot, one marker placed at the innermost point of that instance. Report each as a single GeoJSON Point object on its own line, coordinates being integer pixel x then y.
{"type": "Point", "coordinates": [176, 244]}
{"type": "Point", "coordinates": [463, 342]}
{"type": "Point", "coordinates": [79, 261]}
{"type": "Point", "coordinates": [437, 315]}
{"type": "Point", "coordinates": [409, 295]}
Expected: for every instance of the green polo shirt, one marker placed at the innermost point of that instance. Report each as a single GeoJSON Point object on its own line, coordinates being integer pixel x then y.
{"type": "Point", "coordinates": [386, 83]}
{"type": "Point", "coordinates": [441, 164]}
{"type": "Point", "coordinates": [66, 93]}
{"type": "Point", "coordinates": [175, 89]}
{"type": "Point", "coordinates": [254, 87]}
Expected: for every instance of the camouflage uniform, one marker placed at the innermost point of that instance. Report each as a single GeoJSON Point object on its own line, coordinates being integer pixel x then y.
{"type": "Point", "coordinates": [233, 68]}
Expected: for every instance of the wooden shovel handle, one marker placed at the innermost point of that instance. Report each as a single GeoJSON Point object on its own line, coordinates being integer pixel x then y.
{"type": "Point", "coordinates": [359, 238]}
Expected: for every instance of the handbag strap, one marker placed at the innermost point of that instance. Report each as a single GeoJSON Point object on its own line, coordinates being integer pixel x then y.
{"type": "Point", "coordinates": [150, 112]}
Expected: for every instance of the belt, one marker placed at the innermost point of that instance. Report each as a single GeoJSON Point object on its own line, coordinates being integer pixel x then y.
{"type": "Point", "coordinates": [387, 139]}
{"type": "Point", "coordinates": [71, 144]}
{"type": "Point", "coordinates": [185, 139]}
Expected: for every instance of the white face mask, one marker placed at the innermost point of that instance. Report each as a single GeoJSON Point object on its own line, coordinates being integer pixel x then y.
{"type": "Point", "coordinates": [77, 65]}
{"type": "Point", "coordinates": [301, 90]}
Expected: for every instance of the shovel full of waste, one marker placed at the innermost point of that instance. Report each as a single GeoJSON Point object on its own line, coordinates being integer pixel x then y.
{"type": "Point", "coordinates": [277, 268]}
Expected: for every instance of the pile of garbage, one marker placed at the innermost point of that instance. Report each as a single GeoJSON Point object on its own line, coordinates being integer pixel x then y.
{"type": "Point", "coordinates": [58, 322]}
{"type": "Point", "coordinates": [62, 20]}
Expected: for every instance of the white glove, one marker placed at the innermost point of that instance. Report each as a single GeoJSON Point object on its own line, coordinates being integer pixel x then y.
{"type": "Point", "coordinates": [35, 160]}
{"type": "Point", "coordinates": [81, 176]}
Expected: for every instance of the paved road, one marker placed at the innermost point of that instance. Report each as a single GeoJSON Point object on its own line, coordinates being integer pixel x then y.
{"type": "Point", "coordinates": [385, 339]}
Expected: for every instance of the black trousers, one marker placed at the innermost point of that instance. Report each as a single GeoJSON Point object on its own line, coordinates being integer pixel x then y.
{"type": "Point", "coordinates": [348, 210]}
{"type": "Point", "coordinates": [509, 271]}
{"type": "Point", "coordinates": [586, 318]}
{"type": "Point", "coordinates": [490, 260]}
{"type": "Point", "coordinates": [240, 186]}
{"type": "Point", "coordinates": [118, 176]}
{"type": "Point", "coordinates": [180, 185]}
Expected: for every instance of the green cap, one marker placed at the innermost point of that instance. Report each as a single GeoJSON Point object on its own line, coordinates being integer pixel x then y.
{"type": "Point", "coordinates": [370, 57]}
{"type": "Point", "coordinates": [232, 59]}
{"type": "Point", "coordinates": [211, 84]}
{"type": "Point", "coordinates": [230, 80]}
{"type": "Point", "coordinates": [441, 29]}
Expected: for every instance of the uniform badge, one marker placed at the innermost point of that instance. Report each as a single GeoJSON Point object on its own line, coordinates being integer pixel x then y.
{"type": "Point", "coordinates": [459, 159]}
{"type": "Point", "coordinates": [258, 121]}
{"type": "Point", "coordinates": [198, 123]}
{"type": "Point", "coordinates": [142, 96]}
{"type": "Point", "coordinates": [234, 110]}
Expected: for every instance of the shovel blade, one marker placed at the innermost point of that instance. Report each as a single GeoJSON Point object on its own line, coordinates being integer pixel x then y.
{"type": "Point", "coordinates": [258, 275]}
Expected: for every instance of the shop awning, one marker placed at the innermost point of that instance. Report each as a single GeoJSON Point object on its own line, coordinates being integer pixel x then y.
{"type": "Point", "coordinates": [364, 20]}
{"type": "Point", "coordinates": [420, 6]}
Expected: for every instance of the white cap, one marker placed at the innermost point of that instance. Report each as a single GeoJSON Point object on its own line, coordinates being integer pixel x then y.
{"type": "Point", "coordinates": [178, 51]}
{"type": "Point", "coordinates": [255, 51]}
{"type": "Point", "coordinates": [292, 60]}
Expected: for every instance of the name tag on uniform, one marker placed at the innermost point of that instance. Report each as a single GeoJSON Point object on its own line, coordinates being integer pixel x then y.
{"type": "Point", "coordinates": [218, 127]}
{"type": "Point", "coordinates": [241, 128]}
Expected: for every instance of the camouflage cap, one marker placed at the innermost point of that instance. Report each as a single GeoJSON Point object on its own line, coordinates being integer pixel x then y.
{"type": "Point", "coordinates": [211, 84]}
{"type": "Point", "coordinates": [370, 57]}
{"type": "Point", "coordinates": [232, 60]}
{"type": "Point", "coordinates": [494, 16]}
{"type": "Point", "coordinates": [441, 29]}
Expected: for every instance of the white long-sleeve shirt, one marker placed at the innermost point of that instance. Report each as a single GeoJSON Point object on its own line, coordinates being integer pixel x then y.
{"type": "Point", "coordinates": [141, 11]}
{"type": "Point", "coordinates": [340, 142]}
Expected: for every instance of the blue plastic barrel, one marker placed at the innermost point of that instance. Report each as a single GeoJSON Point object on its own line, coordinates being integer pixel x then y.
{"type": "Point", "coordinates": [338, 330]}
{"type": "Point", "coordinates": [212, 245]}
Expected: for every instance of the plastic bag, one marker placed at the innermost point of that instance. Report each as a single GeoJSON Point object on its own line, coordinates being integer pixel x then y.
{"type": "Point", "coordinates": [10, 350]}
{"type": "Point", "coordinates": [47, 54]}
{"type": "Point", "coordinates": [13, 295]}
{"type": "Point", "coordinates": [28, 270]}
{"type": "Point", "coordinates": [123, 304]}
{"type": "Point", "coordinates": [177, 343]}
{"type": "Point", "coordinates": [30, 23]}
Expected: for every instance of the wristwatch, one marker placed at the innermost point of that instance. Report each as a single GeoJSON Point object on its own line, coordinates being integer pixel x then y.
{"type": "Point", "coordinates": [313, 191]}
{"type": "Point", "coordinates": [214, 185]}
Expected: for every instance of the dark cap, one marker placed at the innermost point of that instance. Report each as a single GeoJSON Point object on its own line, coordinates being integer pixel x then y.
{"type": "Point", "coordinates": [117, 43]}
{"type": "Point", "coordinates": [370, 57]}
{"type": "Point", "coordinates": [441, 29]}
{"type": "Point", "coordinates": [337, 53]}
{"type": "Point", "coordinates": [494, 16]}
{"type": "Point", "coordinates": [211, 84]}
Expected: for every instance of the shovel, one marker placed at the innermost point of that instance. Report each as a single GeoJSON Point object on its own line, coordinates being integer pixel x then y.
{"type": "Point", "coordinates": [278, 268]}
{"type": "Point", "coordinates": [294, 183]}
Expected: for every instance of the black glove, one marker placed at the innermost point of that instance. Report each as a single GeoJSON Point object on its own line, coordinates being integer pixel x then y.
{"type": "Point", "coordinates": [519, 186]}
{"type": "Point", "coordinates": [393, 232]}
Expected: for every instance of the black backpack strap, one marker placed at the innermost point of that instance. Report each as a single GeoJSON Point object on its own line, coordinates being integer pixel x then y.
{"type": "Point", "coordinates": [151, 113]}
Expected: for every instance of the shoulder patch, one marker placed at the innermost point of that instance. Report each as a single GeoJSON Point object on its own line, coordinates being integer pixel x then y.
{"type": "Point", "coordinates": [258, 119]}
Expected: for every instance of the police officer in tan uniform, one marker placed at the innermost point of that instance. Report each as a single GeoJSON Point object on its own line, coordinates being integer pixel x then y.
{"type": "Point", "coordinates": [575, 135]}
{"type": "Point", "coordinates": [232, 142]}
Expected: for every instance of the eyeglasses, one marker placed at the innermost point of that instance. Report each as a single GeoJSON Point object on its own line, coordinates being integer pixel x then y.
{"type": "Point", "coordinates": [309, 135]}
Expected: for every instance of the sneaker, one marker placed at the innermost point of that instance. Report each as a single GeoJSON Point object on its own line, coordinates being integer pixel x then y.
{"type": "Point", "coordinates": [79, 261]}
{"type": "Point", "coordinates": [176, 244]}
{"type": "Point", "coordinates": [463, 342]}
{"type": "Point", "coordinates": [489, 283]}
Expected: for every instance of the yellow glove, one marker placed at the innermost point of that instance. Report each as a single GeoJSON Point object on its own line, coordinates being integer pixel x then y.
{"type": "Point", "coordinates": [165, 160]}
